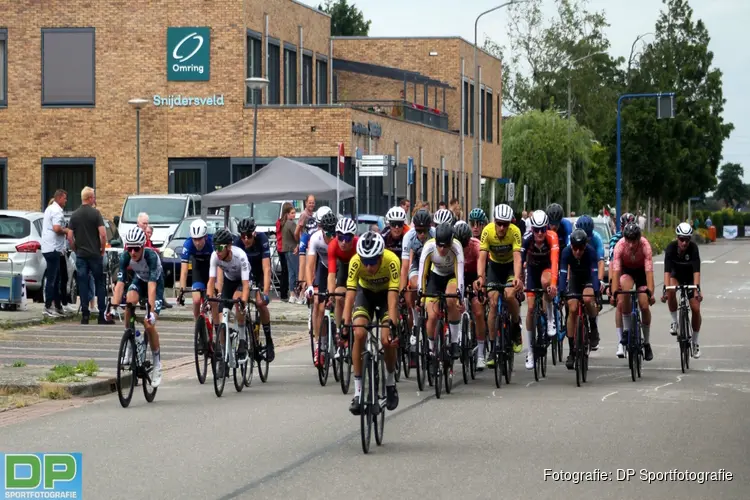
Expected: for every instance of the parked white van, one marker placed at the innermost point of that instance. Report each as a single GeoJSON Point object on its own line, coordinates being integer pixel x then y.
{"type": "Point", "coordinates": [165, 211]}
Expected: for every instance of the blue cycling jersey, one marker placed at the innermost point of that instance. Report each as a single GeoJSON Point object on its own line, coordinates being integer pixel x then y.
{"type": "Point", "coordinates": [204, 254]}
{"type": "Point", "coordinates": [563, 232]}
{"type": "Point", "coordinates": [304, 239]}
{"type": "Point", "coordinates": [598, 245]}
{"type": "Point", "coordinates": [260, 249]}
{"type": "Point", "coordinates": [583, 267]}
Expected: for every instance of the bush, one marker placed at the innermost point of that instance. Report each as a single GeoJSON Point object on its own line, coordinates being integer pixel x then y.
{"type": "Point", "coordinates": [718, 220]}
{"type": "Point", "coordinates": [660, 239]}
{"type": "Point", "coordinates": [701, 236]}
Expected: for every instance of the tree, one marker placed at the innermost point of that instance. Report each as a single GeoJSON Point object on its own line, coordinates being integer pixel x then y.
{"type": "Point", "coordinates": [600, 180]}
{"type": "Point", "coordinates": [346, 20]}
{"type": "Point", "coordinates": [730, 188]}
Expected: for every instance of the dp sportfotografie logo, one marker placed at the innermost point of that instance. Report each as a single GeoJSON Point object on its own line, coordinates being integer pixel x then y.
{"type": "Point", "coordinates": [41, 475]}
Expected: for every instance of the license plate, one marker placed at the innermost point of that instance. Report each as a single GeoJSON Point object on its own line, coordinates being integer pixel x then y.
{"type": "Point", "coordinates": [3, 257]}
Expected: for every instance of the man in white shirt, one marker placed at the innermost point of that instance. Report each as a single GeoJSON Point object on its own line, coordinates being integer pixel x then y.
{"type": "Point", "coordinates": [53, 245]}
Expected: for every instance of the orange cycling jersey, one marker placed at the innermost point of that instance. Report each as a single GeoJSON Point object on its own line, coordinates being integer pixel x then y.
{"type": "Point", "coordinates": [544, 256]}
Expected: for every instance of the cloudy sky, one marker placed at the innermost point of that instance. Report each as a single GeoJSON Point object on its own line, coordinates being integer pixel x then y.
{"type": "Point", "coordinates": [726, 21]}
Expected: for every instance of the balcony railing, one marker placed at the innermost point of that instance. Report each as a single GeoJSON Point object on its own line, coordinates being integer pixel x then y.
{"type": "Point", "coordinates": [403, 110]}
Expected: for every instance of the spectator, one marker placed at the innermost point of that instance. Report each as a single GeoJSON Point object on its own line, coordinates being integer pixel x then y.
{"type": "Point", "coordinates": [53, 244]}
{"type": "Point", "coordinates": [525, 218]}
{"type": "Point", "coordinates": [305, 227]}
{"type": "Point", "coordinates": [709, 222]}
{"type": "Point", "coordinates": [143, 224]}
{"type": "Point", "coordinates": [92, 284]}
{"type": "Point", "coordinates": [284, 278]}
{"type": "Point", "coordinates": [88, 238]}
{"type": "Point", "coordinates": [455, 207]}
{"type": "Point", "coordinates": [63, 291]}
{"type": "Point", "coordinates": [289, 249]}
{"type": "Point", "coordinates": [442, 205]}
{"type": "Point", "coordinates": [406, 205]}
{"type": "Point", "coordinates": [520, 224]}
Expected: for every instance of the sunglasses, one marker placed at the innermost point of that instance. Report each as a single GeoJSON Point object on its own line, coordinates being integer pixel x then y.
{"type": "Point", "coordinates": [502, 224]}
{"type": "Point", "coordinates": [134, 249]}
{"type": "Point", "coordinates": [373, 261]}
{"type": "Point", "coordinates": [540, 230]}
{"type": "Point", "coordinates": [683, 239]}
{"type": "Point", "coordinates": [330, 234]}
{"type": "Point", "coordinates": [248, 236]}
{"type": "Point", "coordinates": [578, 248]}
{"type": "Point", "coordinates": [475, 223]}
{"type": "Point", "coordinates": [443, 245]}
{"type": "Point", "coordinates": [345, 238]}
{"type": "Point", "coordinates": [420, 230]}
{"type": "Point", "coordinates": [397, 225]}
{"type": "Point", "coordinates": [220, 248]}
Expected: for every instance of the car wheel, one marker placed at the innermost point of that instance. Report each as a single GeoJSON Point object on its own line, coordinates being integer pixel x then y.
{"type": "Point", "coordinates": [39, 294]}
{"type": "Point", "coordinates": [73, 298]}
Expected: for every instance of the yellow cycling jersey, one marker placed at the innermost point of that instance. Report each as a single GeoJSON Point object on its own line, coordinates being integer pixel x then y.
{"type": "Point", "coordinates": [500, 250]}
{"type": "Point", "coordinates": [386, 278]}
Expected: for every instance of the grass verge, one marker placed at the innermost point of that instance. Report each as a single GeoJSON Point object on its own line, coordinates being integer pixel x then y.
{"type": "Point", "coordinates": [68, 373]}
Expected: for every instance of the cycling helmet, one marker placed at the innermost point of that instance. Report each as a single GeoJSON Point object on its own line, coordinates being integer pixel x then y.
{"type": "Point", "coordinates": [247, 225]}
{"type": "Point", "coordinates": [632, 231]}
{"type": "Point", "coordinates": [578, 238]}
{"type": "Point", "coordinates": [586, 223]}
{"type": "Point", "coordinates": [478, 215]}
{"type": "Point", "coordinates": [370, 245]}
{"type": "Point", "coordinates": [328, 222]}
{"type": "Point", "coordinates": [443, 215]}
{"type": "Point", "coordinates": [222, 237]}
{"type": "Point", "coordinates": [539, 219]}
{"type": "Point", "coordinates": [396, 214]}
{"type": "Point", "coordinates": [462, 232]}
{"type": "Point", "coordinates": [421, 219]}
{"type": "Point", "coordinates": [135, 237]}
{"type": "Point", "coordinates": [321, 212]}
{"type": "Point", "coordinates": [198, 229]}
{"type": "Point", "coordinates": [626, 219]}
{"type": "Point", "coordinates": [444, 234]}
{"type": "Point", "coordinates": [503, 213]}
{"type": "Point", "coordinates": [555, 213]}
{"type": "Point", "coordinates": [346, 226]}
{"type": "Point", "coordinates": [684, 229]}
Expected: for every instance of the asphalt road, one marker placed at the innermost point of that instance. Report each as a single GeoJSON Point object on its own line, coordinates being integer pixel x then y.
{"type": "Point", "coordinates": [291, 438]}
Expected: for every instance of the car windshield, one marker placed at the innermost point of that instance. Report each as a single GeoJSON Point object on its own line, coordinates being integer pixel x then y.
{"type": "Point", "coordinates": [603, 231]}
{"type": "Point", "coordinates": [265, 214]}
{"type": "Point", "coordinates": [14, 227]}
{"type": "Point", "coordinates": [183, 230]}
{"type": "Point", "coordinates": [159, 210]}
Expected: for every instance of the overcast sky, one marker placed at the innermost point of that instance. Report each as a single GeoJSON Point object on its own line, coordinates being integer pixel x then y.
{"type": "Point", "coordinates": [726, 21]}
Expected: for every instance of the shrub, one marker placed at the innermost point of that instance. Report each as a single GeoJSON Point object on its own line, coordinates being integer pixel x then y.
{"type": "Point", "coordinates": [660, 239]}
{"type": "Point", "coordinates": [718, 220]}
{"type": "Point", "coordinates": [701, 236]}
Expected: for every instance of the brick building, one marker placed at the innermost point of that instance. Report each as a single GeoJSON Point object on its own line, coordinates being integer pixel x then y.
{"type": "Point", "coordinates": [68, 70]}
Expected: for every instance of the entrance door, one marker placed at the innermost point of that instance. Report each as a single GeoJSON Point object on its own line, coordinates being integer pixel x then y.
{"type": "Point", "coordinates": [187, 177]}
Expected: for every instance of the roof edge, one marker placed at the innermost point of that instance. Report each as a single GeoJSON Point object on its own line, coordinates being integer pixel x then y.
{"type": "Point", "coordinates": [317, 11]}
{"type": "Point", "coordinates": [453, 37]}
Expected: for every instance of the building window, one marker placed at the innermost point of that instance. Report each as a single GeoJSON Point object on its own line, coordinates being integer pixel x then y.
{"type": "Point", "coordinates": [290, 76]}
{"type": "Point", "coordinates": [471, 109]}
{"type": "Point", "coordinates": [424, 183]}
{"type": "Point", "coordinates": [307, 79]}
{"type": "Point", "coordinates": [466, 108]}
{"type": "Point", "coordinates": [70, 174]}
{"type": "Point", "coordinates": [499, 117]}
{"type": "Point", "coordinates": [3, 67]}
{"type": "Point", "coordinates": [435, 189]}
{"type": "Point", "coordinates": [445, 184]}
{"type": "Point", "coordinates": [322, 81]}
{"type": "Point", "coordinates": [489, 116]}
{"type": "Point", "coordinates": [68, 67]}
{"type": "Point", "coordinates": [274, 74]}
{"type": "Point", "coordinates": [482, 112]}
{"type": "Point", "coordinates": [335, 88]}
{"type": "Point", "coordinates": [3, 183]}
{"type": "Point", "coordinates": [254, 66]}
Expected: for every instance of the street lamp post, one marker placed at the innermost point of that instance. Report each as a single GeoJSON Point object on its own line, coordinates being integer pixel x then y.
{"type": "Point", "coordinates": [475, 118]}
{"type": "Point", "coordinates": [255, 83]}
{"type": "Point", "coordinates": [138, 104]}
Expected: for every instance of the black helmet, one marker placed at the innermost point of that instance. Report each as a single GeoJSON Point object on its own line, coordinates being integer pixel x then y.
{"type": "Point", "coordinates": [247, 225]}
{"type": "Point", "coordinates": [422, 219]}
{"type": "Point", "coordinates": [222, 237]}
{"type": "Point", "coordinates": [555, 213]}
{"type": "Point", "coordinates": [444, 234]}
{"type": "Point", "coordinates": [462, 232]}
{"type": "Point", "coordinates": [328, 222]}
{"type": "Point", "coordinates": [578, 238]}
{"type": "Point", "coordinates": [632, 231]}
{"type": "Point", "coordinates": [626, 219]}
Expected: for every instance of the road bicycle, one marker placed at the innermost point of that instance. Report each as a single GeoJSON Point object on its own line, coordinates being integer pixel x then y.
{"type": "Point", "coordinates": [403, 359]}
{"type": "Point", "coordinates": [581, 345]}
{"type": "Point", "coordinates": [327, 341]}
{"type": "Point", "coordinates": [203, 335]}
{"type": "Point", "coordinates": [259, 342]}
{"type": "Point", "coordinates": [684, 334]}
{"type": "Point", "coordinates": [134, 357]}
{"type": "Point", "coordinates": [540, 341]}
{"type": "Point", "coordinates": [420, 345]}
{"type": "Point", "coordinates": [501, 349]}
{"type": "Point", "coordinates": [441, 357]}
{"type": "Point", "coordinates": [634, 336]}
{"type": "Point", "coordinates": [226, 343]}
{"type": "Point", "coordinates": [558, 341]}
{"type": "Point", "coordinates": [468, 337]}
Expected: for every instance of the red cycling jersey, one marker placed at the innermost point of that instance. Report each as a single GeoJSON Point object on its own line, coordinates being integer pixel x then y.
{"type": "Point", "coordinates": [335, 253]}
{"type": "Point", "coordinates": [471, 256]}
{"type": "Point", "coordinates": [632, 256]}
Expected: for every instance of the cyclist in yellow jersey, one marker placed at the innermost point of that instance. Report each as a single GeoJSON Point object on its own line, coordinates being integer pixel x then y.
{"type": "Point", "coordinates": [373, 282]}
{"type": "Point", "coordinates": [502, 242]}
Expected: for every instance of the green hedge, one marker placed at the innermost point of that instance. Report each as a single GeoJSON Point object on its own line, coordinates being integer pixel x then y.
{"type": "Point", "coordinates": [659, 239]}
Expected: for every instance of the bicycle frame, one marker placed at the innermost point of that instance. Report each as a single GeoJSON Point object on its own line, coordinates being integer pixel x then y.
{"type": "Point", "coordinates": [539, 340]}
{"type": "Point", "coordinates": [581, 344]}
{"type": "Point", "coordinates": [685, 327]}
{"type": "Point", "coordinates": [505, 353]}
{"type": "Point", "coordinates": [635, 337]}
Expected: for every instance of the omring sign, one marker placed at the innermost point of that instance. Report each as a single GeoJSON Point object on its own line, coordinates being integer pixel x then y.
{"type": "Point", "coordinates": [188, 54]}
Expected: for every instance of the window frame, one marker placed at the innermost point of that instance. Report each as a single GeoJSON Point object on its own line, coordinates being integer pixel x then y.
{"type": "Point", "coordinates": [321, 95]}
{"type": "Point", "coordinates": [69, 162]}
{"type": "Point", "coordinates": [255, 38]}
{"type": "Point", "coordinates": [482, 111]}
{"type": "Point", "coordinates": [274, 94]}
{"type": "Point", "coordinates": [4, 186]}
{"type": "Point", "coordinates": [4, 68]}
{"type": "Point", "coordinates": [466, 118]}
{"type": "Point", "coordinates": [489, 118]}
{"type": "Point", "coordinates": [72, 104]}
{"type": "Point", "coordinates": [307, 77]}
{"type": "Point", "coordinates": [290, 49]}
{"type": "Point", "coordinates": [471, 109]}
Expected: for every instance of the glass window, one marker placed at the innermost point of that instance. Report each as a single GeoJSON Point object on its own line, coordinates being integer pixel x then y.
{"type": "Point", "coordinates": [307, 79]}
{"type": "Point", "coordinates": [274, 74]}
{"type": "Point", "coordinates": [187, 181]}
{"type": "Point", "coordinates": [254, 67]}
{"type": "Point", "coordinates": [12, 227]}
{"type": "Point", "coordinates": [322, 81]}
{"type": "Point", "coordinates": [471, 109]}
{"type": "Point", "coordinates": [3, 183]}
{"type": "Point", "coordinates": [466, 108]}
{"type": "Point", "coordinates": [70, 176]}
{"type": "Point", "coordinates": [335, 88]}
{"type": "Point", "coordinates": [159, 210]}
{"type": "Point", "coordinates": [3, 68]}
{"type": "Point", "coordinates": [68, 67]}
{"type": "Point", "coordinates": [489, 116]}
{"type": "Point", "coordinates": [483, 113]}
{"type": "Point", "coordinates": [290, 77]}
{"type": "Point", "coordinates": [424, 183]}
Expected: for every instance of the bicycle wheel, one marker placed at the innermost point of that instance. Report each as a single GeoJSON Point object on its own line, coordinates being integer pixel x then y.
{"type": "Point", "coordinates": [448, 366]}
{"type": "Point", "coordinates": [252, 355]}
{"type": "Point", "coordinates": [684, 341]}
{"type": "Point", "coordinates": [509, 355]}
{"type": "Point", "coordinates": [534, 347]}
{"type": "Point", "coordinates": [405, 346]}
{"type": "Point", "coordinates": [311, 333]}
{"type": "Point", "coordinates": [498, 356]}
{"type": "Point", "coordinates": [365, 399]}
{"type": "Point", "coordinates": [585, 349]}
{"type": "Point", "coordinates": [379, 417]}
{"type": "Point", "coordinates": [219, 365]}
{"type": "Point", "coordinates": [632, 354]}
{"type": "Point", "coordinates": [554, 343]}
{"type": "Point", "coordinates": [543, 361]}
{"type": "Point", "coordinates": [200, 346]}
{"type": "Point", "coordinates": [465, 348]}
{"type": "Point", "coordinates": [345, 367]}
{"type": "Point", "coordinates": [325, 366]}
{"type": "Point", "coordinates": [333, 348]}
{"type": "Point", "coordinates": [420, 357]}
{"type": "Point", "coordinates": [126, 381]}
{"type": "Point", "coordinates": [473, 353]}
{"type": "Point", "coordinates": [579, 352]}
{"type": "Point", "coordinates": [639, 358]}
{"type": "Point", "coordinates": [436, 359]}
{"type": "Point", "coordinates": [149, 391]}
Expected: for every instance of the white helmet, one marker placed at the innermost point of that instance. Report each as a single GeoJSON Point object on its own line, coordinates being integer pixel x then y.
{"type": "Point", "coordinates": [370, 245]}
{"type": "Point", "coordinates": [503, 213]}
{"type": "Point", "coordinates": [539, 219]}
{"type": "Point", "coordinates": [135, 237]}
{"type": "Point", "coordinates": [684, 229]}
{"type": "Point", "coordinates": [321, 212]}
{"type": "Point", "coordinates": [346, 226]}
{"type": "Point", "coordinates": [396, 214]}
{"type": "Point", "coordinates": [442, 216]}
{"type": "Point", "coordinates": [198, 229]}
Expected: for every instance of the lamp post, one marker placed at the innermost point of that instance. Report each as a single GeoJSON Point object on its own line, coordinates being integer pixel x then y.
{"type": "Point", "coordinates": [477, 128]}
{"type": "Point", "coordinates": [138, 104]}
{"type": "Point", "coordinates": [570, 111]}
{"type": "Point", "coordinates": [255, 83]}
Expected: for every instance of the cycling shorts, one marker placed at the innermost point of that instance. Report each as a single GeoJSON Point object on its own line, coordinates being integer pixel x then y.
{"type": "Point", "coordinates": [437, 284]}
{"type": "Point", "coordinates": [141, 286]}
{"type": "Point", "coordinates": [371, 304]}
{"type": "Point", "coordinates": [500, 273]}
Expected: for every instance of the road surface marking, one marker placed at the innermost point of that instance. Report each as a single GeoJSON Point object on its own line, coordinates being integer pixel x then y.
{"type": "Point", "coordinates": [732, 262]}
{"type": "Point", "coordinates": [708, 262]}
{"type": "Point", "coordinates": [659, 262]}
{"type": "Point", "coordinates": [659, 387]}
{"type": "Point", "coordinates": [532, 382]}
{"type": "Point", "coordinates": [610, 394]}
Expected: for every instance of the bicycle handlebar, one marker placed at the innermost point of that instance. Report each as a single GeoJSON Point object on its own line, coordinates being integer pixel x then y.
{"type": "Point", "coordinates": [633, 292]}
{"type": "Point", "coordinates": [682, 287]}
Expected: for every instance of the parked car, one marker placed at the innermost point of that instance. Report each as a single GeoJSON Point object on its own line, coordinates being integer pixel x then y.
{"type": "Point", "coordinates": [165, 211]}
{"type": "Point", "coordinates": [365, 221]}
{"type": "Point", "coordinates": [21, 251]}
{"type": "Point", "coordinates": [265, 214]}
{"type": "Point", "coordinates": [602, 227]}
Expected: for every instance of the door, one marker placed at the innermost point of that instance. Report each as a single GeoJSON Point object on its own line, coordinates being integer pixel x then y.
{"type": "Point", "coordinates": [187, 177]}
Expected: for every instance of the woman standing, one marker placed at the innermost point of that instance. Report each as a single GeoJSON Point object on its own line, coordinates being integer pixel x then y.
{"type": "Point", "coordinates": [290, 248]}
{"type": "Point", "coordinates": [284, 278]}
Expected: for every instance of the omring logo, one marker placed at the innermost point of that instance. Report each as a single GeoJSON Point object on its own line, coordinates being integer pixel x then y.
{"type": "Point", "coordinates": [188, 54]}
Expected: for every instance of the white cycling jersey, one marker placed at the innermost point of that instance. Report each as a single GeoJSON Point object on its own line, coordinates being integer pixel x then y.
{"type": "Point", "coordinates": [318, 245]}
{"type": "Point", "coordinates": [411, 242]}
{"type": "Point", "coordinates": [452, 263]}
{"type": "Point", "coordinates": [235, 269]}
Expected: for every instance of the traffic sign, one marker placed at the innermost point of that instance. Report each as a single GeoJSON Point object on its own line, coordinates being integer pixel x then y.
{"type": "Point", "coordinates": [410, 171]}
{"type": "Point", "coordinates": [510, 191]}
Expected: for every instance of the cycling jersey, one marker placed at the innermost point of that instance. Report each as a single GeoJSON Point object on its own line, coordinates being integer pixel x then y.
{"type": "Point", "coordinates": [236, 269]}
{"type": "Point", "coordinates": [584, 269]}
{"type": "Point", "coordinates": [501, 249]}
{"type": "Point", "coordinates": [596, 242]}
{"type": "Point", "coordinates": [629, 256]}
{"type": "Point", "coordinates": [259, 250]}
{"type": "Point", "coordinates": [394, 243]}
{"type": "Point", "coordinates": [335, 253]}
{"type": "Point", "coordinates": [319, 247]}
{"type": "Point", "coordinates": [386, 278]}
{"type": "Point", "coordinates": [612, 243]}
{"type": "Point", "coordinates": [542, 257]}
{"type": "Point", "coordinates": [471, 257]}
{"type": "Point", "coordinates": [307, 230]}
{"type": "Point", "coordinates": [682, 265]}
{"type": "Point", "coordinates": [412, 243]}
{"type": "Point", "coordinates": [563, 232]}
{"type": "Point", "coordinates": [450, 264]}
{"type": "Point", "coordinates": [204, 254]}
{"type": "Point", "coordinates": [147, 268]}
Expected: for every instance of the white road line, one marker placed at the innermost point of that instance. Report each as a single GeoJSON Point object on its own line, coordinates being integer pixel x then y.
{"type": "Point", "coordinates": [670, 369]}
{"type": "Point", "coordinates": [529, 384]}
{"type": "Point", "coordinates": [732, 262]}
{"type": "Point", "coordinates": [610, 394]}
{"type": "Point", "coordinates": [659, 262]}
{"type": "Point", "coordinates": [708, 262]}
{"type": "Point", "coordinates": [659, 387]}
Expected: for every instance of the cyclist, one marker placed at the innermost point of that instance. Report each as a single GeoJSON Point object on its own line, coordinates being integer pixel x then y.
{"type": "Point", "coordinates": [502, 242]}
{"type": "Point", "coordinates": [631, 264]}
{"type": "Point", "coordinates": [682, 266]}
{"type": "Point", "coordinates": [560, 225]}
{"type": "Point", "coordinates": [579, 273]}
{"type": "Point", "coordinates": [625, 219]}
{"type": "Point", "coordinates": [477, 221]}
{"type": "Point", "coordinates": [462, 233]}
{"type": "Point", "coordinates": [393, 235]}
{"type": "Point", "coordinates": [443, 215]}
{"type": "Point", "coordinates": [317, 269]}
{"type": "Point", "coordinates": [258, 253]}
{"type": "Point", "coordinates": [148, 281]}
{"type": "Point", "coordinates": [587, 224]}
{"type": "Point", "coordinates": [541, 253]}
{"type": "Point", "coordinates": [312, 224]}
{"type": "Point", "coordinates": [441, 270]}
{"type": "Point", "coordinates": [340, 251]}
{"type": "Point", "coordinates": [197, 248]}
{"type": "Point", "coordinates": [235, 269]}
{"type": "Point", "coordinates": [372, 283]}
